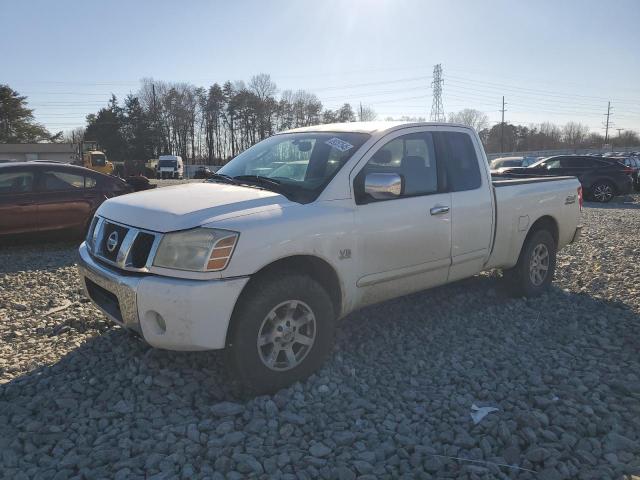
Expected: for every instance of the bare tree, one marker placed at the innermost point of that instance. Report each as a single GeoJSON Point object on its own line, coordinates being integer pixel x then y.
{"type": "Point", "coordinates": [366, 114]}
{"type": "Point", "coordinates": [574, 133]}
{"type": "Point", "coordinates": [263, 86]}
{"type": "Point", "coordinates": [470, 117]}
{"type": "Point", "coordinates": [75, 135]}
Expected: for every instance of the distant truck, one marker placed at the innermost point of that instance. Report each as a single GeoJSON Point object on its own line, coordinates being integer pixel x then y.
{"type": "Point", "coordinates": [170, 166]}
{"type": "Point", "coordinates": [94, 159]}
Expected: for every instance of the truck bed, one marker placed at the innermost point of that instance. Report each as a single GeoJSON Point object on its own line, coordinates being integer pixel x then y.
{"type": "Point", "coordinates": [530, 198]}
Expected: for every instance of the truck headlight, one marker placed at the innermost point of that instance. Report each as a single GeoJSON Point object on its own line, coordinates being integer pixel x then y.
{"type": "Point", "coordinates": [199, 250]}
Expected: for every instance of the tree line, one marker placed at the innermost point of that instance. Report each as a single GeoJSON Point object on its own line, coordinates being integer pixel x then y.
{"type": "Point", "coordinates": [215, 124]}
{"type": "Point", "coordinates": [205, 125]}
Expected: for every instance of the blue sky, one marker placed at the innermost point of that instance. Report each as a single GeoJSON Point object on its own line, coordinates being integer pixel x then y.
{"type": "Point", "coordinates": [553, 60]}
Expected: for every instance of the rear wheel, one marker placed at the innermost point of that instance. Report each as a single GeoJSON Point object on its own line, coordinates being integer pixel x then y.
{"type": "Point", "coordinates": [602, 191]}
{"type": "Point", "coordinates": [536, 266]}
{"type": "Point", "coordinates": [281, 332]}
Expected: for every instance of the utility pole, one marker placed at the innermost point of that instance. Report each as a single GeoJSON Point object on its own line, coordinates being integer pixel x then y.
{"type": "Point", "coordinates": [154, 118]}
{"type": "Point", "coordinates": [606, 131]}
{"type": "Point", "coordinates": [502, 128]}
{"type": "Point", "coordinates": [620, 130]}
{"type": "Point", "coordinates": [437, 109]}
{"type": "Point", "coordinates": [360, 111]}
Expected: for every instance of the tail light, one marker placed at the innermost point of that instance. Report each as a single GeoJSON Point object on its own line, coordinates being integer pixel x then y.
{"type": "Point", "coordinates": [628, 170]}
{"type": "Point", "coordinates": [580, 200]}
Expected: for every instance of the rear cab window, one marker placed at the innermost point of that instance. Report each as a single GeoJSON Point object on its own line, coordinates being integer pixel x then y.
{"type": "Point", "coordinates": [457, 154]}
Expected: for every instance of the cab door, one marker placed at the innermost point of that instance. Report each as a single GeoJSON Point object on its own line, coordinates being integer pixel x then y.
{"type": "Point", "coordinates": [403, 244]}
{"type": "Point", "coordinates": [18, 208]}
{"type": "Point", "coordinates": [471, 200]}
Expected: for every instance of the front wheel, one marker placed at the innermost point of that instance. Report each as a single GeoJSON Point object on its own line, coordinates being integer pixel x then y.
{"type": "Point", "coordinates": [602, 191]}
{"type": "Point", "coordinates": [536, 266]}
{"type": "Point", "coordinates": [281, 331]}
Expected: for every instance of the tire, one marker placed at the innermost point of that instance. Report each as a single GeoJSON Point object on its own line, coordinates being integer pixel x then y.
{"type": "Point", "coordinates": [522, 280]}
{"type": "Point", "coordinates": [603, 191]}
{"type": "Point", "coordinates": [278, 309]}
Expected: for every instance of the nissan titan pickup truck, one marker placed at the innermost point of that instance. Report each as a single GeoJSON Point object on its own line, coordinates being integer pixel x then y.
{"type": "Point", "coordinates": [290, 236]}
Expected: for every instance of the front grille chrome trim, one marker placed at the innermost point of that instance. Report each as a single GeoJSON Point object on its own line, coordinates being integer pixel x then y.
{"type": "Point", "coordinates": [123, 259]}
{"type": "Point", "coordinates": [125, 247]}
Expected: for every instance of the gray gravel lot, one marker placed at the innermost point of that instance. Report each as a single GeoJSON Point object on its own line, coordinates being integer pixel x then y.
{"type": "Point", "coordinates": [82, 398]}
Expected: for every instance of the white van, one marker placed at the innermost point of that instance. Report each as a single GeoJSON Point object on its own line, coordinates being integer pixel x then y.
{"type": "Point", "coordinates": [170, 166]}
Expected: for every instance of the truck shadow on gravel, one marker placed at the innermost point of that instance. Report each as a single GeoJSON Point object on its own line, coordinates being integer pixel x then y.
{"type": "Point", "coordinates": [561, 369]}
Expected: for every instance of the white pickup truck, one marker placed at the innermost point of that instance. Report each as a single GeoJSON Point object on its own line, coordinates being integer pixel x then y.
{"type": "Point", "coordinates": [309, 225]}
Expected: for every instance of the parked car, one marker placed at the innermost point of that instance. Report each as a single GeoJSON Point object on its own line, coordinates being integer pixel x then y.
{"type": "Point", "coordinates": [633, 162]}
{"type": "Point", "coordinates": [264, 266]}
{"type": "Point", "coordinates": [203, 172]}
{"type": "Point", "coordinates": [39, 197]}
{"type": "Point", "coordinates": [502, 163]}
{"type": "Point", "coordinates": [602, 178]}
{"type": "Point", "coordinates": [139, 183]}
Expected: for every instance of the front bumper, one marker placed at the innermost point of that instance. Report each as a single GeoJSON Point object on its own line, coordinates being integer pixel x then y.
{"type": "Point", "coordinates": [169, 313]}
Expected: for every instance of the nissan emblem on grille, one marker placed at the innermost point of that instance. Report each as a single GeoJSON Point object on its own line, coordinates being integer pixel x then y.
{"type": "Point", "coordinates": [112, 241]}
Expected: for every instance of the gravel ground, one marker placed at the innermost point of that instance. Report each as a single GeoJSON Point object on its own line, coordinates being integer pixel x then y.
{"type": "Point", "coordinates": [84, 399]}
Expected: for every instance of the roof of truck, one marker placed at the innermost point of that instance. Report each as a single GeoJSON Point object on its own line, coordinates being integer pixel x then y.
{"type": "Point", "coordinates": [369, 127]}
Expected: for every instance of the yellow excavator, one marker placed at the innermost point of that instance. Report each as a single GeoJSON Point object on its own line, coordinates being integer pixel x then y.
{"type": "Point", "coordinates": [95, 159]}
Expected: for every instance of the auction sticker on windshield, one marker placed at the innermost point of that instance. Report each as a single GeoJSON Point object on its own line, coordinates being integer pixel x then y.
{"type": "Point", "coordinates": [339, 144]}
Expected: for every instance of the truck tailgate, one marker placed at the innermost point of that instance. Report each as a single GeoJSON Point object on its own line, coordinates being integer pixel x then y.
{"type": "Point", "coordinates": [520, 202]}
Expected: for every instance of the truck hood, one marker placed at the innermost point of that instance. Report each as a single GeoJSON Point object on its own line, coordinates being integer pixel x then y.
{"type": "Point", "coordinates": [190, 205]}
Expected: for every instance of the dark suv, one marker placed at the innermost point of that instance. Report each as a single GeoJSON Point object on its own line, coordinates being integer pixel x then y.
{"type": "Point", "coordinates": [633, 162]}
{"type": "Point", "coordinates": [601, 178]}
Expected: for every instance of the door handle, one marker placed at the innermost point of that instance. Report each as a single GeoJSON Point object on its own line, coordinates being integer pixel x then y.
{"type": "Point", "coordinates": [439, 210]}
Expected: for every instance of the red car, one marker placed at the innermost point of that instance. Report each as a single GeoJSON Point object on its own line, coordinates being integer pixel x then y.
{"type": "Point", "coordinates": [52, 197]}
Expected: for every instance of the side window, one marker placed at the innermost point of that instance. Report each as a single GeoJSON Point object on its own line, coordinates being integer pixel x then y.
{"type": "Point", "coordinates": [90, 182]}
{"type": "Point", "coordinates": [57, 180]}
{"type": "Point", "coordinates": [458, 156]}
{"type": "Point", "coordinates": [412, 157]}
{"type": "Point", "coordinates": [553, 163]}
{"type": "Point", "coordinates": [572, 162]}
{"type": "Point", "coordinates": [16, 181]}
{"type": "Point", "coordinates": [590, 163]}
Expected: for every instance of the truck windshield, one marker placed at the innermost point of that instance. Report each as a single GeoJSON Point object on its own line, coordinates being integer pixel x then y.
{"type": "Point", "coordinates": [167, 163]}
{"type": "Point", "coordinates": [298, 165]}
{"type": "Point", "coordinates": [98, 160]}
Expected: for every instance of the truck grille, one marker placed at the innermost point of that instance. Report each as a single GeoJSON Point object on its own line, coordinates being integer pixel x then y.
{"type": "Point", "coordinates": [112, 240]}
{"type": "Point", "coordinates": [141, 248]}
{"type": "Point", "coordinates": [126, 247]}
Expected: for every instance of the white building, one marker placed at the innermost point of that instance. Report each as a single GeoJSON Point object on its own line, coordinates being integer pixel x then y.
{"type": "Point", "coordinates": [61, 152]}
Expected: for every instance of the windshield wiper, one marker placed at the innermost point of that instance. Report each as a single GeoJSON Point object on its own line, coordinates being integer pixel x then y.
{"type": "Point", "coordinates": [258, 179]}
{"type": "Point", "coordinates": [269, 183]}
{"type": "Point", "coordinates": [222, 178]}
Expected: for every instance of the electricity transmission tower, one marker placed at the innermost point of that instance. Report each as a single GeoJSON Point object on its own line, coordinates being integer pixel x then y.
{"type": "Point", "coordinates": [437, 109]}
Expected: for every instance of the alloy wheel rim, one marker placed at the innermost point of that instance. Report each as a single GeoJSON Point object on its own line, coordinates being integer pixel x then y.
{"type": "Point", "coordinates": [539, 264]}
{"type": "Point", "coordinates": [286, 335]}
{"type": "Point", "coordinates": [603, 192]}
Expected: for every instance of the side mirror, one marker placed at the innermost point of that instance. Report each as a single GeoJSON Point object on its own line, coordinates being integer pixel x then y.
{"type": "Point", "coordinates": [382, 186]}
